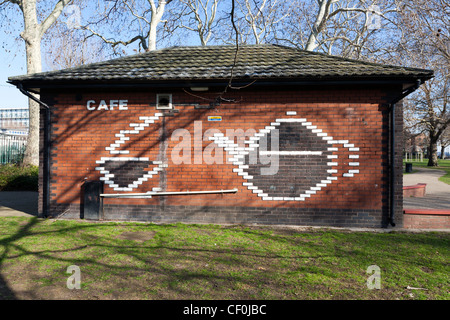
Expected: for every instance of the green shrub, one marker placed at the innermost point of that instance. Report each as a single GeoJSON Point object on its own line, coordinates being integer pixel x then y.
{"type": "Point", "coordinates": [18, 178]}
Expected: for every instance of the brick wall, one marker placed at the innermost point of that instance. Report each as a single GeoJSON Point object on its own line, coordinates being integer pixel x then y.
{"type": "Point", "coordinates": [421, 219]}
{"type": "Point", "coordinates": [332, 167]}
{"type": "Point", "coordinates": [398, 184]}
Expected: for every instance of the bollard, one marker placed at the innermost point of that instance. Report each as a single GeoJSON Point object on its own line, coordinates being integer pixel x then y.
{"type": "Point", "coordinates": [408, 167]}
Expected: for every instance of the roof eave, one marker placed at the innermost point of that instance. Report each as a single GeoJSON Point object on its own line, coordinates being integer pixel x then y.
{"type": "Point", "coordinates": [35, 85]}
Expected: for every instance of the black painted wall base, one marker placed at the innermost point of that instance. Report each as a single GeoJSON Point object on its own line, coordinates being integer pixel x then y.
{"type": "Point", "coordinates": [236, 215]}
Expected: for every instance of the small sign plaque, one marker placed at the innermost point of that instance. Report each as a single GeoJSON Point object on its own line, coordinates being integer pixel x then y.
{"type": "Point", "coordinates": [214, 118]}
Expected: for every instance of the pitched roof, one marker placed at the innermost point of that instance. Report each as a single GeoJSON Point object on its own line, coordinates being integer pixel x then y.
{"type": "Point", "coordinates": [254, 62]}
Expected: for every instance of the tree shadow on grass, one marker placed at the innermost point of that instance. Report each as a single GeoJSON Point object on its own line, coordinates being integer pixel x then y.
{"type": "Point", "coordinates": [173, 268]}
{"type": "Point", "coordinates": [5, 292]}
{"type": "Point", "coordinates": [9, 244]}
{"type": "Point", "coordinates": [118, 264]}
{"type": "Point", "coordinates": [6, 244]}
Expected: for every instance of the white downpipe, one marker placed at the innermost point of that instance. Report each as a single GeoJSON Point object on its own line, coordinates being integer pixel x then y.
{"type": "Point", "coordinates": [151, 194]}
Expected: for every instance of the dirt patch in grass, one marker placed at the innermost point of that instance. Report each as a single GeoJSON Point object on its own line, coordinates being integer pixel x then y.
{"type": "Point", "coordinates": [137, 236]}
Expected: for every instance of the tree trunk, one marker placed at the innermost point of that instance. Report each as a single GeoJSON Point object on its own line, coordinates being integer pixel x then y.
{"type": "Point", "coordinates": [152, 36]}
{"type": "Point", "coordinates": [312, 42]}
{"type": "Point", "coordinates": [442, 151]}
{"type": "Point", "coordinates": [322, 14]}
{"type": "Point", "coordinates": [433, 158]}
{"type": "Point", "coordinates": [32, 37]}
{"type": "Point", "coordinates": [157, 13]}
{"type": "Point", "coordinates": [31, 157]}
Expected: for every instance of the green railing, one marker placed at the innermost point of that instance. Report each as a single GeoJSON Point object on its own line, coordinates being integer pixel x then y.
{"type": "Point", "coordinates": [12, 148]}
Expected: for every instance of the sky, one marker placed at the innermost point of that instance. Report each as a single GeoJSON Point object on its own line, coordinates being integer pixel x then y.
{"type": "Point", "coordinates": [11, 65]}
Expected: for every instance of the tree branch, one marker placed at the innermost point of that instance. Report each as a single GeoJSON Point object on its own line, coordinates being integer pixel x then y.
{"type": "Point", "coordinates": [18, 2]}
{"type": "Point", "coordinates": [114, 43]}
{"type": "Point", "coordinates": [51, 18]}
{"type": "Point", "coordinates": [135, 14]}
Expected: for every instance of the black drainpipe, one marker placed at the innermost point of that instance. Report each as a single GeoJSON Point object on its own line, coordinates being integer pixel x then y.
{"type": "Point", "coordinates": [392, 195]}
{"type": "Point", "coordinates": [393, 171]}
{"type": "Point", "coordinates": [46, 182]}
{"type": "Point", "coordinates": [46, 169]}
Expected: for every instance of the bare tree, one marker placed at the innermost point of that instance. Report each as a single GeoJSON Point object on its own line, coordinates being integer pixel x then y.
{"type": "Point", "coordinates": [262, 17]}
{"type": "Point", "coordinates": [444, 141]}
{"type": "Point", "coordinates": [256, 21]}
{"type": "Point", "coordinates": [82, 50]}
{"type": "Point", "coordinates": [349, 28]}
{"type": "Point", "coordinates": [426, 24]}
{"type": "Point", "coordinates": [32, 34]}
{"type": "Point", "coordinates": [361, 30]}
{"type": "Point", "coordinates": [425, 43]}
{"type": "Point", "coordinates": [135, 20]}
{"type": "Point", "coordinates": [201, 17]}
{"type": "Point", "coordinates": [429, 109]}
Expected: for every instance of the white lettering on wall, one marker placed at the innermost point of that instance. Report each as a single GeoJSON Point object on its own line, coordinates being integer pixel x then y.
{"type": "Point", "coordinates": [102, 105]}
{"type": "Point", "coordinates": [112, 104]}
{"type": "Point", "coordinates": [123, 104]}
{"type": "Point", "coordinates": [92, 105]}
{"type": "Point", "coordinates": [88, 105]}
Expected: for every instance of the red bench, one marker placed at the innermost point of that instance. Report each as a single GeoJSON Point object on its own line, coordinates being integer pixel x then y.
{"type": "Point", "coordinates": [426, 218]}
{"type": "Point", "coordinates": [417, 190]}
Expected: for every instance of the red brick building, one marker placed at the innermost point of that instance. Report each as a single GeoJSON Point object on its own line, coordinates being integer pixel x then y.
{"type": "Point", "coordinates": [283, 136]}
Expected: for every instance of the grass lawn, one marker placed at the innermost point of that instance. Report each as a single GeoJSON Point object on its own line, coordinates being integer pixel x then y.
{"type": "Point", "coordinates": [444, 165]}
{"type": "Point", "coordinates": [178, 261]}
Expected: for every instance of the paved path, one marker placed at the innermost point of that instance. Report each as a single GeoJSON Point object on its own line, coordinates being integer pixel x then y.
{"type": "Point", "coordinates": [23, 203]}
{"type": "Point", "coordinates": [437, 193]}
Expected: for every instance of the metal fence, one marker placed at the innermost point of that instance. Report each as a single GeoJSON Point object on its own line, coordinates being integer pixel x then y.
{"type": "Point", "coordinates": [12, 148]}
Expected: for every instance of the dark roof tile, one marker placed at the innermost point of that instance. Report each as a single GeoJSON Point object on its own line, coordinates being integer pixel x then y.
{"type": "Point", "coordinates": [216, 62]}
